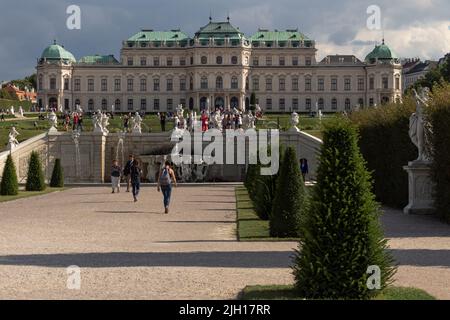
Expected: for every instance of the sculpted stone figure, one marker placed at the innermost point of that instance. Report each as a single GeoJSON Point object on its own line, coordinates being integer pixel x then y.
{"type": "Point", "coordinates": [137, 123]}
{"type": "Point", "coordinates": [105, 123]}
{"type": "Point", "coordinates": [294, 122]}
{"type": "Point", "coordinates": [418, 125]}
{"type": "Point", "coordinates": [97, 120]}
{"type": "Point", "coordinates": [53, 119]}
{"type": "Point", "coordinates": [12, 138]}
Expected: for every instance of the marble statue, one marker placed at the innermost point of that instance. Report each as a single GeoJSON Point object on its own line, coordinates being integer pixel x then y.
{"type": "Point", "coordinates": [249, 121]}
{"type": "Point", "coordinates": [12, 138]}
{"type": "Point", "coordinates": [21, 111]}
{"type": "Point", "coordinates": [11, 110]}
{"type": "Point", "coordinates": [181, 124]}
{"type": "Point", "coordinates": [53, 119]}
{"type": "Point", "coordinates": [97, 120]}
{"type": "Point", "coordinates": [105, 123]}
{"type": "Point", "coordinates": [417, 125]}
{"type": "Point", "coordinates": [137, 123]}
{"type": "Point", "coordinates": [294, 122]}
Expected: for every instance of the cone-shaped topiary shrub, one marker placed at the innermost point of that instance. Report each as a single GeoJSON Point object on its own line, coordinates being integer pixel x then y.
{"type": "Point", "coordinates": [251, 179]}
{"type": "Point", "coordinates": [289, 198]}
{"type": "Point", "coordinates": [9, 185]}
{"type": "Point", "coordinates": [340, 234]}
{"type": "Point", "coordinates": [35, 176]}
{"type": "Point", "coordinates": [57, 180]}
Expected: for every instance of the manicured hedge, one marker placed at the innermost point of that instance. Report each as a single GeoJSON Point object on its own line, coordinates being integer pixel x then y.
{"type": "Point", "coordinates": [35, 176]}
{"type": "Point", "coordinates": [439, 116]}
{"type": "Point", "coordinates": [9, 185]}
{"type": "Point", "coordinates": [6, 104]}
{"type": "Point", "coordinates": [386, 146]}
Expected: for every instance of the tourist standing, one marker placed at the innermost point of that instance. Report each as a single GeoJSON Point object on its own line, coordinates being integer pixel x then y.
{"type": "Point", "coordinates": [116, 172]}
{"type": "Point", "coordinates": [127, 171]}
{"type": "Point", "coordinates": [135, 173]}
{"type": "Point", "coordinates": [162, 121]}
{"type": "Point", "coordinates": [80, 123]}
{"type": "Point", "coordinates": [204, 119]}
{"type": "Point", "coordinates": [304, 168]}
{"type": "Point", "coordinates": [75, 121]}
{"type": "Point", "coordinates": [125, 123]}
{"type": "Point", "coordinates": [165, 180]}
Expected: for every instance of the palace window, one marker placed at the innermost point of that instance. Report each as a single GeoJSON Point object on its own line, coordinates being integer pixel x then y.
{"type": "Point", "coordinates": [40, 83]}
{"type": "Point", "coordinates": [347, 84]}
{"type": "Point", "coordinates": [308, 104]}
{"type": "Point", "coordinates": [143, 104]}
{"type": "Point", "coordinates": [360, 84]}
{"type": "Point", "coordinates": [203, 60]}
{"type": "Point", "coordinates": [219, 60]}
{"type": "Point", "coordinates": [66, 83]}
{"type": "Point", "coordinates": [169, 104]}
{"type": "Point", "coordinates": [204, 83]}
{"type": "Point", "coordinates": [130, 84]}
{"type": "Point", "coordinates": [117, 84]}
{"type": "Point", "coordinates": [169, 85]}
{"type": "Point", "coordinates": [255, 61]}
{"type": "Point", "coordinates": [234, 83]}
{"type": "Point", "coordinates": [143, 85]}
{"type": "Point", "coordinates": [321, 103]}
{"type": "Point", "coordinates": [182, 84]}
{"type": "Point", "coordinates": [117, 105]}
{"type": "Point", "coordinates": [320, 84]}
{"type": "Point", "coordinates": [104, 104]}
{"type": "Point", "coordinates": [191, 83]}
{"type": "Point", "coordinates": [130, 61]}
{"type": "Point", "coordinates": [295, 84]}
{"type": "Point", "coordinates": [104, 84]}
{"type": "Point", "coordinates": [90, 84]}
{"type": "Point", "coordinates": [191, 60]}
{"type": "Point", "coordinates": [130, 105]}
{"type": "Point", "coordinates": [347, 104]}
{"type": "Point", "coordinates": [361, 102]}
{"type": "Point", "coordinates": [282, 61]}
{"type": "Point", "coordinates": [156, 61]}
{"type": "Point", "coordinates": [234, 60]}
{"type": "Point", "coordinates": [282, 84]}
{"type": "Point", "coordinates": [143, 61]}
{"type": "Point", "coordinates": [385, 83]}
{"type": "Point", "coordinates": [219, 82]}
{"type": "Point", "coordinates": [182, 61]}
{"type": "Point", "coordinates": [156, 104]}
{"type": "Point", "coordinates": [269, 104]}
{"type": "Point", "coordinates": [308, 61]}
{"type": "Point", "coordinates": [268, 61]}
{"type": "Point", "coordinates": [334, 104]}
{"type": "Point", "coordinates": [268, 84]}
{"type": "Point", "coordinates": [91, 104]}
{"type": "Point", "coordinates": [255, 84]}
{"type": "Point", "coordinates": [295, 61]}
{"type": "Point", "coordinates": [295, 103]}
{"type": "Point", "coordinates": [372, 83]}
{"type": "Point", "coordinates": [397, 83]}
{"type": "Point", "coordinates": [169, 62]}
{"type": "Point", "coordinates": [308, 84]}
{"type": "Point", "coordinates": [77, 85]}
{"type": "Point", "coordinates": [182, 102]}
{"type": "Point", "coordinates": [371, 102]}
{"type": "Point", "coordinates": [334, 84]}
{"type": "Point", "coordinates": [52, 83]}
{"type": "Point", "coordinates": [156, 84]}
{"type": "Point", "coordinates": [282, 104]}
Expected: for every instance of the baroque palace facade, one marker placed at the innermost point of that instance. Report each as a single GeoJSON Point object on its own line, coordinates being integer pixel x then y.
{"type": "Point", "coordinates": [219, 67]}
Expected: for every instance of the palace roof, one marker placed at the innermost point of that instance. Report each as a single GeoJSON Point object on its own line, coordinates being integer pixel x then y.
{"type": "Point", "coordinates": [99, 59]}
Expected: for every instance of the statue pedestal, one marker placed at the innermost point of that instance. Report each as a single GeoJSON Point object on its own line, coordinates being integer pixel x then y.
{"type": "Point", "coordinates": [420, 188]}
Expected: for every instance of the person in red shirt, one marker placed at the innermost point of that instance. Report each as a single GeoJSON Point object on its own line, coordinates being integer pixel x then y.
{"type": "Point", "coordinates": [204, 119]}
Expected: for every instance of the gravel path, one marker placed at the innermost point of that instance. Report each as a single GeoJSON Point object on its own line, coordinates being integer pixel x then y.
{"type": "Point", "coordinates": [133, 251]}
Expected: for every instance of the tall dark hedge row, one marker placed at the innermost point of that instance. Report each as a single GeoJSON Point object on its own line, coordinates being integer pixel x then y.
{"type": "Point", "coordinates": [439, 116]}
{"type": "Point", "coordinates": [387, 148]}
{"type": "Point", "coordinates": [57, 180]}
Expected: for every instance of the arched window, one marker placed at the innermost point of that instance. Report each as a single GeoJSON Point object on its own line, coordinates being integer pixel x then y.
{"type": "Point", "coordinates": [361, 102]}
{"type": "Point", "coordinates": [191, 83]}
{"type": "Point", "coordinates": [219, 60]}
{"type": "Point", "coordinates": [347, 104]}
{"type": "Point", "coordinates": [321, 104]}
{"type": "Point", "coordinates": [204, 60]}
{"type": "Point", "coordinates": [117, 104]}
{"type": "Point", "coordinates": [104, 104]}
{"type": "Point", "coordinates": [204, 83]}
{"type": "Point", "coordinates": [40, 83]}
{"type": "Point", "coordinates": [203, 103]}
{"type": "Point", "coordinates": [219, 82]}
{"type": "Point", "coordinates": [334, 104]}
{"type": "Point", "coordinates": [77, 102]}
{"type": "Point", "coordinates": [91, 105]}
{"type": "Point", "coordinates": [234, 102]}
{"type": "Point", "coordinates": [234, 60]}
{"type": "Point", "coordinates": [234, 83]}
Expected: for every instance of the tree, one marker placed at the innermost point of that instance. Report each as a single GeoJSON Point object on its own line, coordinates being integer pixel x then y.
{"type": "Point", "coordinates": [9, 185]}
{"type": "Point", "coordinates": [340, 235]}
{"type": "Point", "coordinates": [35, 176]}
{"type": "Point", "coordinates": [57, 180]}
{"type": "Point", "coordinates": [289, 198]}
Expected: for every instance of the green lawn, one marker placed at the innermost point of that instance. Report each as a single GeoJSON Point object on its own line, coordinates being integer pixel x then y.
{"type": "Point", "coordinates": [28, 194]}
{"type": "Point", "coordinates": [249, 226]}
{"type": "Point", "coordinates": [287, 292]}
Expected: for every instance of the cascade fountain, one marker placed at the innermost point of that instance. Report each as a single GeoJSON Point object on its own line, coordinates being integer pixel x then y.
{"type": "Point", "coordinates": [121, 136]}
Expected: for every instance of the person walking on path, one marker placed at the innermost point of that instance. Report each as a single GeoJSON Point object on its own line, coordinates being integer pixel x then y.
{"type": "Point", "coordinates": [116, 172]}
{"type": "Point", "coordinates": [135, 173]}
{"type": "Point", "coordinates": [127, 171]}
{"type": "Point", "coordinates": [304, 168]}
{"type": "Point", "coordinates": [165, 180]}
{"type": "Point", "coordinates": [162, 120]}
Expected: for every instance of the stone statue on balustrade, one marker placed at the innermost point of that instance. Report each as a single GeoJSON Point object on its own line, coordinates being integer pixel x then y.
{"type": "Point", "coordinates": [137, 123]}
{"type": "Point", "coordinates": [12, 139]}
{"type": "Point", "coordinates": [248, 121]}
{"type": "Point", "coordinates": [53, 119]}
{"type": "Point", "coordinates": [419, 127]}
{"type": "Point", "coordinates": [294, 122]}
{"type": "Point", "coordinates": [105, 123]}
{"type": "Point", "coordinates": [97, 120]}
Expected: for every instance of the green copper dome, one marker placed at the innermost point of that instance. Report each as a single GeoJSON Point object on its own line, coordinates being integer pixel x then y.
{"type": "Point", "coordinates": [56, 52]}
{"type": "Point", "coordinates": [382, 52]}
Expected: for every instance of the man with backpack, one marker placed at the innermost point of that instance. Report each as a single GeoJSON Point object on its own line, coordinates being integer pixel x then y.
{"type": "Point", "coordinates": [165, 180]}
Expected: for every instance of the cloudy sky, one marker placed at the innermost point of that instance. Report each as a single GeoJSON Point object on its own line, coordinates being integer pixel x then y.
{"type": "Point", "coordinates": [413, 28]}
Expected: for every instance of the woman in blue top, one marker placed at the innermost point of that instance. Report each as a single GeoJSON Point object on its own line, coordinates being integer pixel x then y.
{"type": "Point", "coordinates": [165, 180]}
